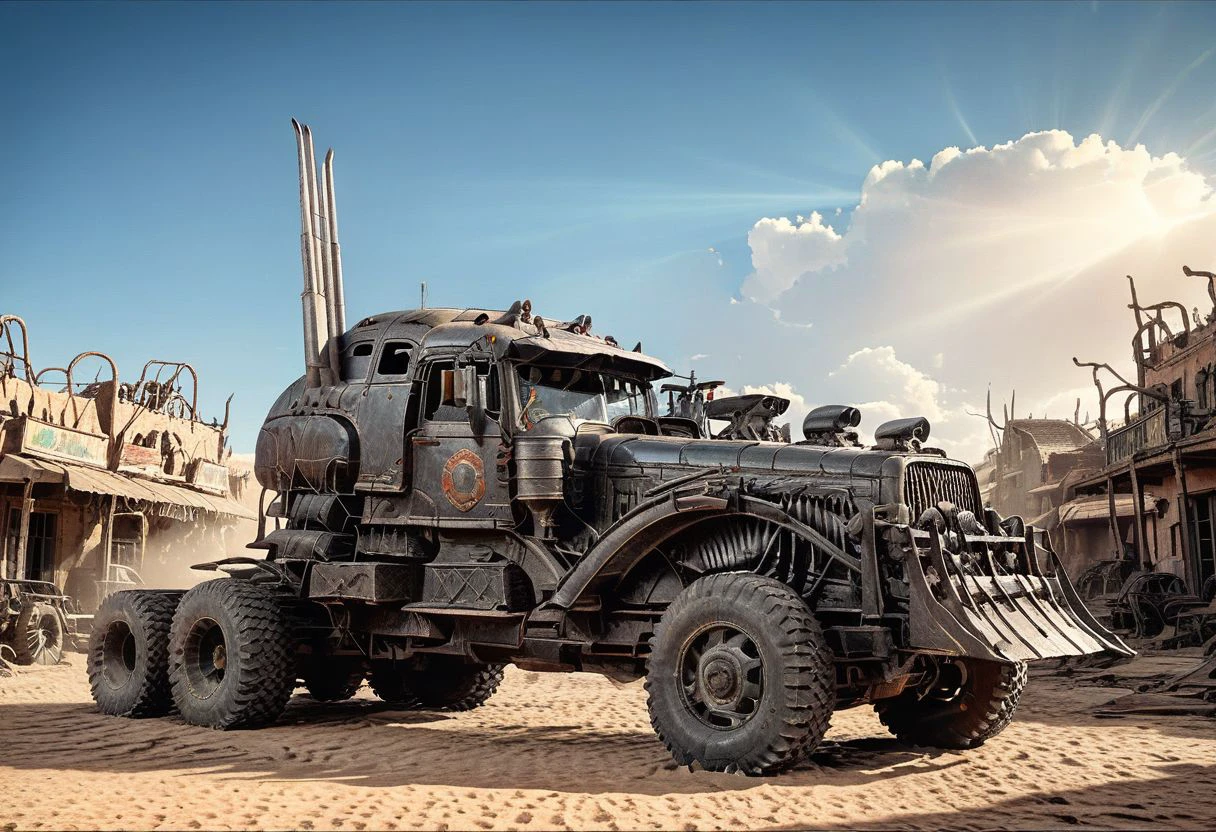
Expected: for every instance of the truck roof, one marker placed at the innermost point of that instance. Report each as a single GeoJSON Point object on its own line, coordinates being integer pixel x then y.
{"type": "Point", "coordinates": [446, 327]}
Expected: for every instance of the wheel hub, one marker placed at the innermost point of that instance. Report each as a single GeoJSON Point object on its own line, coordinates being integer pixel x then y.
{"type": "Point", "coordinates": [722, 676]}
{"type": "Point", "coordinates": [205, 657]}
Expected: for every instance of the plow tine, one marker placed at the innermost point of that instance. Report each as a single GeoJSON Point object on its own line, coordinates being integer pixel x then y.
{"type": "Point", "coordinates": [1113, 644]}
{"type": "Point", "coordinates": [968, 611]}
{"type": "Point", "coordinates": [1013, 630]}
{"type": "Point", "coordinates": [1029, 613]}
{"type": "Point", "coordinates": [1048, 625]}
{"type": "Point", "coordinates": [1053, 619]}
{"type": "Point", "coordinates": [980, 612]}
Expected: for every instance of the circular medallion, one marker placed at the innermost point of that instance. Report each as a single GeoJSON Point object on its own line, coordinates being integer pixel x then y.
{"type": "Point", "coordinates": [464, 482]}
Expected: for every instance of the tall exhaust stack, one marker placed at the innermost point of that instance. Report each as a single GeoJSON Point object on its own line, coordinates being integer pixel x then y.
{"type": "Point", "coordinates": [322, 299]}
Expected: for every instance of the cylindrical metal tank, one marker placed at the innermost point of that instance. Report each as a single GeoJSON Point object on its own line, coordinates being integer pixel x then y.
{"type": "Point", "coordinates": [538, 467]}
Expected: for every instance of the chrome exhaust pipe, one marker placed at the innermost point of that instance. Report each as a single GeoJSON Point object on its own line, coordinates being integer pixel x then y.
{"type": "Point", "coordinates": [327, 274]}
{"type": "Point", "coordinates": [312, 301]}
{"type": "Point", "coordinates": [320, 258]}
{"type": "Point", "coordinates": [337, 291]}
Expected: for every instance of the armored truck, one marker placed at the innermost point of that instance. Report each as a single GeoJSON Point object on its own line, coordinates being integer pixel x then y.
{"type": "Point", "coordinates": [450, 490]}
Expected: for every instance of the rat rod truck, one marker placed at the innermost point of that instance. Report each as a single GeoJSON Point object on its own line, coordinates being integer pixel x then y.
{"type": "Point", "coordinates": [455, 489]}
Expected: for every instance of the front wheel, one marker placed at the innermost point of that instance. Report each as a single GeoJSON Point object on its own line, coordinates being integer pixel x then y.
{"type": "Point", "coordinates": [968, 702]}
{"type": "Point", "coordinates": [739, 677]}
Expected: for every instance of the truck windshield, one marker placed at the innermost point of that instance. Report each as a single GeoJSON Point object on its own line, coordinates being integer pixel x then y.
{"type": "Point", "coordinates": [579, 394]}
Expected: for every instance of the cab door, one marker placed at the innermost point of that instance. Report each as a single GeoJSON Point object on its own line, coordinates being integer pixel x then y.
{"type": "Point", "coordinates": [382, 418]}
{"type": "Point", "coordinates": [455, 451]}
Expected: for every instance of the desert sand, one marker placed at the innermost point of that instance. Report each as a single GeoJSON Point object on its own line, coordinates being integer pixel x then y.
{"type": "Point", "coordinates": [574, 751]}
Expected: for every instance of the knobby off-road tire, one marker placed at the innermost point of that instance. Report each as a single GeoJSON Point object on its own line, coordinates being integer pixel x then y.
{"type": "Point", "coordinates": [435, 682]}
{"type": "Point", "coordinates": [740, 678]}
{"type": "Point", "coordinates": [332, 679]}
{"type": "Point", "coordinates": [128, 656]}
{"type": "Point", "coordinates": [982, 708]}
{"type": "Point", "coordinates": [38, 635]}
{"type": "Point", "coordinates": [231, 660]}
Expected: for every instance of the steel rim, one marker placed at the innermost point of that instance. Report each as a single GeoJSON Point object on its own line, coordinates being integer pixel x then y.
{"type": "Point", "coordinates": [43, 637]}
{"type": "Point", "coordinates": [205, 657]}
{"type": "Point", "coordinates": [721, 676]}
{"type": "Point", "coordinates": [118, 654]}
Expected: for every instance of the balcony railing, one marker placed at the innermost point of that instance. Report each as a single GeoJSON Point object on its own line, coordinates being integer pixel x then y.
{"type": "Point", "coordinates": [1153, 430]}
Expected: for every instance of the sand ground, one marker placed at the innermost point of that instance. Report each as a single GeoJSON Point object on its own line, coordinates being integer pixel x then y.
{"type": "Point", "coordinates": [573, 751]}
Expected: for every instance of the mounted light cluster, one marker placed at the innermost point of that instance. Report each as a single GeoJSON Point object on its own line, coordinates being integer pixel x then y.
{"type": "Point", "coordinates": [520, 314]}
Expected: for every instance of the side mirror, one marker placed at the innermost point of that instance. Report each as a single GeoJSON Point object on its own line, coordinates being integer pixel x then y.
{"type": "Point", "coordinates": [464, 388]}
{"type": "Point", "coordinates": [460, 387]}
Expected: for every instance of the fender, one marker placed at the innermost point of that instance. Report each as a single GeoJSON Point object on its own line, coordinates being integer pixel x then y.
{"type": "Point", "coordinates": [636, 534]}
{"type": "Point", "coordinates": [631, 538]}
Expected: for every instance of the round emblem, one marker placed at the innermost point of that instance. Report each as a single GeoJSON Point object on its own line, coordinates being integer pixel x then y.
{"type": "Point", "coordinates": [464, 482]}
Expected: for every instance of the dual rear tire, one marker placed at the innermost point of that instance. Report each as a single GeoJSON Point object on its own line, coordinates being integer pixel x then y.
{"type": "Point", "coordinates": [221, 655]}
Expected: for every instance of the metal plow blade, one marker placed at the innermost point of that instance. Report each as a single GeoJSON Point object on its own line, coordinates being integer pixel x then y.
{"type": "Point", "coordinates": [965, 603]}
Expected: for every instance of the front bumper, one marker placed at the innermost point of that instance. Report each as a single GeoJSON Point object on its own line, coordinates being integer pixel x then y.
{"type": "Point", "coordinates": [995, 597]}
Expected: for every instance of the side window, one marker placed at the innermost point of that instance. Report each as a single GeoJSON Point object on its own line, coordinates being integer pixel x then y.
{"type": "Point", "coordinates": [394, 359]}
{"type": "Point", "coordinates": [435, 409]}
{"type": "Point", "coordinates": [356, 360]}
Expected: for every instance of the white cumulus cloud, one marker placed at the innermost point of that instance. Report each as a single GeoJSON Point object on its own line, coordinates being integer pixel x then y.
{"type": "Point", "coordinates": [988, 266]}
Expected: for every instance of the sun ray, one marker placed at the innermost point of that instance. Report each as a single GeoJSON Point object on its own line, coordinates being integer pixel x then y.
{"type": "Point", "coordinates": [1167, 92]}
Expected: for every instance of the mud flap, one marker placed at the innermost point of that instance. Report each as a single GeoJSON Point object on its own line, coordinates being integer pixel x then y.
{"type": "Point", "coordinates": [990, 612]}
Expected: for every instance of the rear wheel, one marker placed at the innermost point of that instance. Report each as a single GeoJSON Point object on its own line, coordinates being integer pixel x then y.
{"type": "Point", "coordinates": [968, 703]}
{"type": "Point", "coordinates": [38, 635]}
{"type": "Point", "coordinates": [435, 681]}
{"type": "Point", "coordinates": [129, 654]}
{"type": "Point", "coordinates": [230, 655]}
{"type": "Point", "coordinates": [739, 677]}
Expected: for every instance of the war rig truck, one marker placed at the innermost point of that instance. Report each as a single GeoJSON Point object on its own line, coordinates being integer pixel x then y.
{"type": "Point", "coordinates": [447, 491]}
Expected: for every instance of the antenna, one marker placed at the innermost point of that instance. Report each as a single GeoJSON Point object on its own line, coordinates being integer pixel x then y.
{"type": "Point", "coordinates": [422, 292]}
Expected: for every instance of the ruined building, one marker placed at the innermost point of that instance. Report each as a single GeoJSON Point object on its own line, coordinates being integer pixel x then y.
{"type": "Point", "coordinates": [1034, 470]}
{"type": "Point", "coordinates": [102, 481]}
{"type": "Point", "coordinates": [1164, 455]}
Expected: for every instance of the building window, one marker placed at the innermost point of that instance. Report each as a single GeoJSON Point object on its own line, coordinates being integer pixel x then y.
{"type": "Point", "coordinates": [39, 544]}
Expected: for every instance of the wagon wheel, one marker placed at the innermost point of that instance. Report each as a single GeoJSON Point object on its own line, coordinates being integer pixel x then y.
{"type": "Point", "coordinates": [39, 634]}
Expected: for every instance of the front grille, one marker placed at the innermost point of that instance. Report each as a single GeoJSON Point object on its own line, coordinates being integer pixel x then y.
{"type": "Point", "coordinates": [926, 484]}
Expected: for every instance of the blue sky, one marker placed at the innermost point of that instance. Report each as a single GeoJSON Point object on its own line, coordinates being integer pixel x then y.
{"type": "Point", "coordinates": [586, 156]}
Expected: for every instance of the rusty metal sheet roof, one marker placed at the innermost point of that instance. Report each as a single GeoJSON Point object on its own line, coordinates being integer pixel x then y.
{"type": "Point", "coordinates": [1052, 435]}
{"type": "Point", "coordinates": [17, 468]}
{"type": "Point", "coordinates": [1098, 508]}
{"type": "Point", "coordinates": [98, 481]}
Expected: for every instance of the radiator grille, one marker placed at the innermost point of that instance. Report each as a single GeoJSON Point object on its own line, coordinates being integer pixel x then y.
{"type": "Point", "coordinates": [926, 484]}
